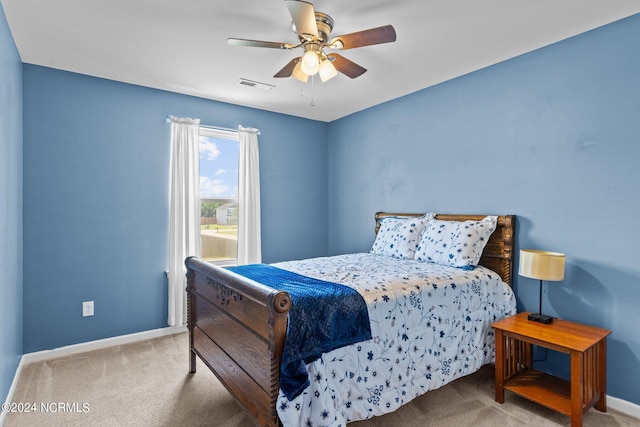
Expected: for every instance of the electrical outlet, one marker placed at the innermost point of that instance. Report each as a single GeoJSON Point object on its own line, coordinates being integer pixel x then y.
{"type": "Point", "coordinates": [87, 308]}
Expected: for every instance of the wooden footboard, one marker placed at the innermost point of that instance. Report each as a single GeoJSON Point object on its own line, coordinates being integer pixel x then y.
{"type": "Point", "coordinates": [237, 327]}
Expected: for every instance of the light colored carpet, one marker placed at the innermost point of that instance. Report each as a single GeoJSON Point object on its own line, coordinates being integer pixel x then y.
{"type": "Point", "coordinates": [147, 384]}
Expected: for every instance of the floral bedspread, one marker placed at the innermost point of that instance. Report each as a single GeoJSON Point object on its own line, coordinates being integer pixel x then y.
{"type": "Point", "coordinates": [430, 325]}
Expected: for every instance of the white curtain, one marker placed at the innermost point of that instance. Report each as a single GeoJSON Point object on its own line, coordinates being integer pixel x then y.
{"type": "Point", "coordinates": [249, 233]}
{"type": "Point", "coordinates": [184, 216]}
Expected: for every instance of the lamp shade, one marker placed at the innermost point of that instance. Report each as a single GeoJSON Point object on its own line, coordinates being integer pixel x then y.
{"type": "Point", "coordinates": [541, 265]}
{"type": "Point", "coordinates": [327, 70]}
{"type": "Point", "coordinates": [298, 74]}
{"type": "Point", "coordinates": [310, 63]}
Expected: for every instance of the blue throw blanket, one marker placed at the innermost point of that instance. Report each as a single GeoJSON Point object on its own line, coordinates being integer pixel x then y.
{"type": "Point", "coordinates": [323, 316]}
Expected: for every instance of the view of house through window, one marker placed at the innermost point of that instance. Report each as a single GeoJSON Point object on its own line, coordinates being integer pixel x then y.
{"type": "Point", "coordinates": [219, 152]}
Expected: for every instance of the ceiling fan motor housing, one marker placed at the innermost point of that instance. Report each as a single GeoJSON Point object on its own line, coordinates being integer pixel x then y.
{"type": "Point", "coordinates": [325, 25]}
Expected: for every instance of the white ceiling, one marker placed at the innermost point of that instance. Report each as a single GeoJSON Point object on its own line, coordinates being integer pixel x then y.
{"type": "Point", "coordinates": [181, 46]}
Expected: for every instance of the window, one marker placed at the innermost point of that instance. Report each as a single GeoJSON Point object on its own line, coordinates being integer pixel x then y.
{"type": "Point", "coordinates": [219, 153]}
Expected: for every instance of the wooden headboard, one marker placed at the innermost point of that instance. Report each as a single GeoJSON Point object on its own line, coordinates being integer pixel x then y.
{"type": "Point", "coordinates": [497, 255]}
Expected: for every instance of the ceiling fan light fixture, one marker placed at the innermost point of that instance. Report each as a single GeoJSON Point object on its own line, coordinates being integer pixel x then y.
{"type": "Point", "coordinates": [298, 74]}
{"type": "Point", "coordinates": [310, 63]}
{"type": "Point", "coordinates": [327, 71]}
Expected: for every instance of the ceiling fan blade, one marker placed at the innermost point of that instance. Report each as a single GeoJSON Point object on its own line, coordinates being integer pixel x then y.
{"type": "Point", "coordinates": [259, 43]}
{"type": "Point", "coordinates": [345, 66]}
{"type": "Point", "coordinates": [287, 71]}
{"type": "Point", "coordinates": [304, 18]}
{"type": "Point", "coordinates": [369, 37]}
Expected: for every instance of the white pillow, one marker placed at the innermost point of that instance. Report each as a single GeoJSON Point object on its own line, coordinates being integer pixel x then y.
{"type": "Point", "coordinates": [455, 243]}
{"type": "Point", "coordinates": [398, 237]}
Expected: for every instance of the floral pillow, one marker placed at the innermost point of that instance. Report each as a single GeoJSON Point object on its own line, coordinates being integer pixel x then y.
{"type": "Point", "coordinates": [455, 243]}
{"type": "Point", "coordinates": [398, 237]}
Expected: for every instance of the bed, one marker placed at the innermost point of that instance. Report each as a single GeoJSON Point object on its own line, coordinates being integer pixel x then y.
{"type": "Point", "coordinates": [238, 326]}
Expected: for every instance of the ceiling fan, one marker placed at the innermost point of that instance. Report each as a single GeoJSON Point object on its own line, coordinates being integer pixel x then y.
{"type": "Point", "coordinates": [313, 29]}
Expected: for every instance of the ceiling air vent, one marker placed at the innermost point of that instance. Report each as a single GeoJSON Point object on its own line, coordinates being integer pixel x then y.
{"type": "Point", "coordinates": [257, 85]}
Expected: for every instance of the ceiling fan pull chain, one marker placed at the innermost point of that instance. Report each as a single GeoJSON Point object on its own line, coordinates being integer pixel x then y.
{"type": "Point", "coordinates": [313, 85]}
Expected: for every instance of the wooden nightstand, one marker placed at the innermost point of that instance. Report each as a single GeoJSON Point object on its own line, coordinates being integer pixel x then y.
{"type": "Point", "coordinates": [586, 346]}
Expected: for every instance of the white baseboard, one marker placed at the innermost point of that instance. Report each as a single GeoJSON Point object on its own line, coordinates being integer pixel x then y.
{"type": "Point", "coordinates": [12, 390]}
{"type": "Point", "coordinates": [39, 356]}
{"type": "Point", "coordinates": [98, 344]}
{"type": "Point", "coordinates": [623, 406]}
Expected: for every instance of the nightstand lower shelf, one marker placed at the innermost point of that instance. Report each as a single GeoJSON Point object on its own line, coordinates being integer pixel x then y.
{"type": "Point", "coordinates": [549, 391]}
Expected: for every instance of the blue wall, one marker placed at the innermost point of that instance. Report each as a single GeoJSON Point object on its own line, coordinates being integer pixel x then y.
{"type": "Point", "coordinates": [96, 161]}
{"type": "Point", "coordinates": [552, 136]}
{"type": "Point", "coordinates": [10, 208]}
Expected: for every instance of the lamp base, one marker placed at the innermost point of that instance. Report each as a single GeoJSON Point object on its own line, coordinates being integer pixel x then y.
{"type": "Point", "coordinates": [539, 317]}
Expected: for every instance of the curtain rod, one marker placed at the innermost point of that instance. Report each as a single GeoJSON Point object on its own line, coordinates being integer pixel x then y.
{"type": "Point", "coordinates": [168, 120]}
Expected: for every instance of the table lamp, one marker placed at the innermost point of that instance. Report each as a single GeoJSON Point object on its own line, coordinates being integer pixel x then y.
{"type": "Point", "coordinates": [542, 265]}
